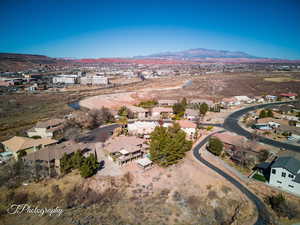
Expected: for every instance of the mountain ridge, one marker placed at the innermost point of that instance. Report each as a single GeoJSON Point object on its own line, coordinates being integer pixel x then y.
{"type": "Point", "coordinates": [200, 53]}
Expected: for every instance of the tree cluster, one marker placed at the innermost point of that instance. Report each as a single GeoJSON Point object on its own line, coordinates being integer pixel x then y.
{"type": "Point", "coordinates": [265, 113]}
{"type": "Point", "coordinates": [168, 145]}
{"type": "Point", "coordinates": [203, 108]}
{"type": "Point", "coordinates": [179, 108]}
{"type": "Point", "coordinates": [148, 104]}
{"type": "Point", "coordinates": [92, 119]}
{"type": "Point", "coordinates": [87, 166]}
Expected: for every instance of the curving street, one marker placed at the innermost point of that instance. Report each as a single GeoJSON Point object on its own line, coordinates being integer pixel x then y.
{"type": "Point", "coordinates": [231, 124]}
{"type": "Point", "coordinates": [263, 215]}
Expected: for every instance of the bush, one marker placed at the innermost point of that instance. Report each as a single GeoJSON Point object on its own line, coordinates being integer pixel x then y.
{"type": "Point", "coordinates": [263, 155]}
{"type": "Point", "coordinates": [209, 128]}
{"type": "Point", "coordinates": [148, 104]}
{"type": "Point", "coordinates": [215, 146]}
{"type": "Point", "coordinates": [282, 208]}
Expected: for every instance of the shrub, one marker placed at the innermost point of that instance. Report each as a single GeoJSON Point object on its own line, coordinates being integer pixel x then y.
{"type": "Point", "coordinates": [282, 208]}
{"type": "Point", "coordinates": [209, 128]}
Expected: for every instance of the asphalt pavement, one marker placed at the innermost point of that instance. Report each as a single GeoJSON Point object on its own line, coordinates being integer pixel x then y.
{"type": "Point", "coordinates": [263, 215]}
{"type": "Point", "coordinates": [231, 124]}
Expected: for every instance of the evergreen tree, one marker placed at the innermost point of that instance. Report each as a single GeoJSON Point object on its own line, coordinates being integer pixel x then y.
{"type": "Point", "coordinates": [203, 109]}
{"type": "Point", "coordinates": [168, 146]}
{"type": "Point", "coordinates": [89, 166]}
{"type": "Point", "coordinates": [215, 146]}
{"type": "Point", "coordinates": [184, 102]}
{"type": "Point", "coordinates": [77, 160]}
{"type": "Point", "coordinates": [178, 109]}
{"type": "Point", "coordinates": [65, 164]}
{"type": "Point", "coordinates": [263, 114]}
{"type": "Point", "coordinates": [269, 113]}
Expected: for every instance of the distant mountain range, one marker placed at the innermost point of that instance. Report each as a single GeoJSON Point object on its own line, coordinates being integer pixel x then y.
{"type": "Point", "coordinates": [18, 62]}
{"type": "Point", "coordinates": [200, 53]}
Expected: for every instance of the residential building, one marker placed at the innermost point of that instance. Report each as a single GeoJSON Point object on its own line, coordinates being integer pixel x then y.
{"type": "Point", "coordinates": [285, 174]}
{"type": "Point", "coordinates": [144, 127]}
{"type": "Point", "coordinates": [244, 99]}
{"type": "Point", "coordinates": [50, 156]}
{"type": "Point", "coordinates": [200, 101]}
{"type": "Point", "coordinates": [139, 112]}
{"type": "Point", "coordinates": [271, 98]}
{"type": "Point", "coordinates": [66, 79]}
{"type": "Point", "coordinates": [46, 129]}
{"type": "Point", "coordinates": [94, 80]}
{"type": "Point", "coordinates": [161, 113]}
{"type": "Point", "coordinates": [124, 149]}
{"type": "Point", "coordinates": [288, 96]}
{"type": "Point", "coordinates": [17, 144]}
{"type": "Point", "coordinates": [165, 102]}
{"type": "Point", "coordinates": [191, 114]}
{"type": "Point", "coordinates": [188, 127]}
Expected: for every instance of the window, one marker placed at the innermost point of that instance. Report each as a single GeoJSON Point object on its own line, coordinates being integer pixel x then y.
{"type": "Point", "coordinates": [291, 176]}
{"type": "Point", "coordinates": [279, 182]}
{"type": "Point", "coordinates": [283, 174]}
{"type": "Point", "coordinates": [273, 171]}
{"type": "Point", "coordinates": [291, 186]}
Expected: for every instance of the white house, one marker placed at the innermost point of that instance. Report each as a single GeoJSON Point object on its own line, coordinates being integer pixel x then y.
{"type": "Point", "coordinates": [191, 114]}
{"type": "Point", "coordinates": [242, 98]}
{"type": "Point", "coordinates": [66, 79]}
{"type": "Point", "coordinates": [271, 98]}
{"type": "Point", "coordinates": [46, 129]}
{"type": "Point", "coordinates": [144, 127]}
{"type": "Point", "coordinates": [285, 174]}
{"type": "Point", "coordinates": [188, 127]}
{"type": "Point", "coordinates": [94, 80]}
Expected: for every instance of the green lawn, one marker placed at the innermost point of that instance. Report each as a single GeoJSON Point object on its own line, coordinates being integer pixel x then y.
{"type": "Point", "coordinates": [259, 177]}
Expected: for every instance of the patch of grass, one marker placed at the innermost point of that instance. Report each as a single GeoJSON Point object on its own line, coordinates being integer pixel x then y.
{"type": "Point", "coordinates": [259, 177]}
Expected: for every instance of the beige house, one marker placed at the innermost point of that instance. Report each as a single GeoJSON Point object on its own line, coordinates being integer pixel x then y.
{"type": "Point", "coordinates": [124, 149]}
{"type": "Point", "coordinates": [161, 113]}
{"type": "Point", "coordinates": [46, 129]}
{"type": "Point", "coordinates": [139, 112]}
{"type": "Point", "coordinates": [17, 144]}
{"type": "Point", "coordinates": [49, 157]}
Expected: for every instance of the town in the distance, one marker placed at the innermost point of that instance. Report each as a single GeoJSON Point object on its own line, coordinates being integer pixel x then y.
{"type": "Point", "coordinates": [193, 137]}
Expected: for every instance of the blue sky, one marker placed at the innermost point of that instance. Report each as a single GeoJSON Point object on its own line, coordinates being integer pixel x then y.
{"type": "Point", "coordinates": [90, 28]}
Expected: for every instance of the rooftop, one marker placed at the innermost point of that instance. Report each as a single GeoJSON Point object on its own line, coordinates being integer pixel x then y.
{"type": "Point", "coordinates": [17, 143]}
{"type": "Point", "coordinates": [128, 143]}
{"type": "Point", "coordinates": [290, 163]}
{"type": "Point", "coordinates": [187, 124]}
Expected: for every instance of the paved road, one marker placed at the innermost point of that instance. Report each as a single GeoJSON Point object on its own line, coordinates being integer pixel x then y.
{"type": "Point", "coordinates": [263, 215]}
{"type": "Point", "coordinates": [231, 124]}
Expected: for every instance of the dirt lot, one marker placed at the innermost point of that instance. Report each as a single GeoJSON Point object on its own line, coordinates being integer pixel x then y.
{"type": "Point", "coordinates": [212, 87]}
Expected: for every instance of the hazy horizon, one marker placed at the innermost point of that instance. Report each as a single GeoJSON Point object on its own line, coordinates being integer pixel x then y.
{"type": "Point", "coordinates": [132, 28]}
